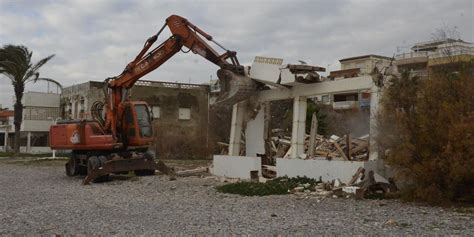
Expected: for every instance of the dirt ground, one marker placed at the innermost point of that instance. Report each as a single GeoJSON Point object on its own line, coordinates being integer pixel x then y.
{"type": "Point", "coordinates": [37, 198]}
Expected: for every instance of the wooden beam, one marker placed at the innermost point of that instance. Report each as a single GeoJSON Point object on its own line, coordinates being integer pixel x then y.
{"type": "Point", "coordinates": [338, 148]}
{"type": "Point", "coordinates": [312, 134]}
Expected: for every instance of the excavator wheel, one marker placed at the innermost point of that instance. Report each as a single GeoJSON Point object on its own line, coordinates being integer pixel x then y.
{"type": "Point", "coordinates": [72, 166]}
{"type": "Point", "coordinates": [145, 172]}
{"type": "Point", "coordinates": [95, 162]}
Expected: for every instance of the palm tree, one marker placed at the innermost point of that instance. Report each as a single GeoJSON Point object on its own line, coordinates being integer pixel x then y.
{"type": "Point", "coordinates": [16, 65]}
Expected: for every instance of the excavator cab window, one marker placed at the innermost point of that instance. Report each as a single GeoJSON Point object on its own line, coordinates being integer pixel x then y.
{"type": "Point", "coordinates": [143, 120]}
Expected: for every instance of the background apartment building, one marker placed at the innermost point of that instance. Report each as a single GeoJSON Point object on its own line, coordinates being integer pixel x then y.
{"type": "Point", "coordinates": [40, 110]}
{"type": "Point", "coordinates": [425, 57]}
{"type": "Point", "coordinates": [354, 67]}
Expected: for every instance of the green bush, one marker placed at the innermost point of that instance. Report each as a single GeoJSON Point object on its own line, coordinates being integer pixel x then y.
{"type": "Point", "coordinates": [278, 186]}
{"type": "Point", "coordinates": [426, 131]}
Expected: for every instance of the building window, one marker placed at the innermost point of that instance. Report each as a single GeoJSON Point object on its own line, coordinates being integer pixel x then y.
{"type": "Point", "coordinates": [184, 114]}
{"type": "Point", "coordinates": [39, 139]}
{"type": "Point", "coordinates": [155, 110]}
{"type": "Point", "coordinates": [325, 99]}
{"type": "Point", "coordinates": [40, 113]}
{"type": "Point", "coordinates": [346, 97]}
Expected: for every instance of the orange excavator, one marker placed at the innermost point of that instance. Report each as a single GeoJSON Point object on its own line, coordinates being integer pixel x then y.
{"type": "Point", "coordinates": [116, 140]}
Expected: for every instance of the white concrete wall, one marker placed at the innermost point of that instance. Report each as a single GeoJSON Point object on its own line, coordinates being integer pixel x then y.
{"type": "Point", "coordinates": [310, 90]}
{"type": "Point", "coordinates": [254, 140]}
{"type": "Point", "coordinates": [236, 166]}
{"type": "Point", "coordinates": [35, 149]}
{"type": "Point", "coordinates": [328, 170]}
{"type": "Point", "coordinates": [40, 99]}
{"type": "Point", "coordinates": [36, 125]}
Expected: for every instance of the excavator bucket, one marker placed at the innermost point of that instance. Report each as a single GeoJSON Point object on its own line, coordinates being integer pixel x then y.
{"type": "Point", "coordinates": [141, 165]}
{"type": "Point", "coordinates": [234, 87]}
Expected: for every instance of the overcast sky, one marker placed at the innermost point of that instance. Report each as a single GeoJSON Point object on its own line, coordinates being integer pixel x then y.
{"type": "Point", "coordinates": [95, 39]}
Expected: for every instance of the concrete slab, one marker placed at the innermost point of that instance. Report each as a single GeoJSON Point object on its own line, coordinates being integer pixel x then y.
{"type": "Point", "coordinates": [236, 166]}
{"type": "Point", "coordinates": [254, 141]}
{"type": "Point", "coordinates": [327, 170]}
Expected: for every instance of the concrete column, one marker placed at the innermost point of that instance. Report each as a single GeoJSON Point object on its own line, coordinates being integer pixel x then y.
{"type": "Point", "coordinates": [374, 106]}
{"type": "Point", "coordinates": [5, 142]}
{"type": "Point", "coordinates": [238, 115]}
{"type": "Point", "coordinates": [254, 135]}
{"type": "Point", "coordinates": [298, 130]}
{"type": "Point", "coordinates": [28, 142]}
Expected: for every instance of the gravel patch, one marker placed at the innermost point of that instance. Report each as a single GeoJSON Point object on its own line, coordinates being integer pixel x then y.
{"type": "Point", "coordinates": [42, 200]}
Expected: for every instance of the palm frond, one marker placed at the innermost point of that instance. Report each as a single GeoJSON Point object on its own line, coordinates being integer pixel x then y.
{"type": "Point", "coordinates": [41, 62]}
{"type": "Point", "coordinates": [9, 67]}
{"type": "Point", "coordinates": [33, 69]}
{"type": "Point", "coordinates": [48, 80]}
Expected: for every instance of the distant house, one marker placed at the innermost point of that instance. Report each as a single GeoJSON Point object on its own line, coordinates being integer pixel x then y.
{"type": "Point", "coordinates": [359, 66]}
{"type": "Point", "coordinates": [39, 112]}
{"type": "Point", "coordinates": [425, 57]}
{"type": "Point", "coordinates": [6, 129]}
{"type": "Point", "coordinates": [351, 68]}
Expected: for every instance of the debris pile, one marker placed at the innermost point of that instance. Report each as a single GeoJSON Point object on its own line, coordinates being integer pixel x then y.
{"type": "Point", "coordinates": [360, 186]}
{"type": "Point", "coordinates": [332, 148]}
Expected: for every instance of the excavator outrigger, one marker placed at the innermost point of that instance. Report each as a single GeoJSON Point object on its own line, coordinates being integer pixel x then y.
{"type": "Point", "coordinates": [119, 141]}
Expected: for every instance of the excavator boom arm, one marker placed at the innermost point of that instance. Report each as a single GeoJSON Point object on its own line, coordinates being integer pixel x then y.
{"type": "Point", "coordinates": [184, 33]}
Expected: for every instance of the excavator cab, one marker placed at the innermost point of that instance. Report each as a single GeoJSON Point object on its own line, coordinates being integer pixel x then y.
{"type": "Point", "coordinates": [137, 128]}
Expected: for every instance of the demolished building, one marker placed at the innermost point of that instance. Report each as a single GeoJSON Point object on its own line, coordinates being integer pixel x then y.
{"type": "Point", "coordinates": [251, 137]}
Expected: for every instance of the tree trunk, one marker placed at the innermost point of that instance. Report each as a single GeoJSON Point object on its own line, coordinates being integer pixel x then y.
{"type": "Point", "coordinates": [18, 117]}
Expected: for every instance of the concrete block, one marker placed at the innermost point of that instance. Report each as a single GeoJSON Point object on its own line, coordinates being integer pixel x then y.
{"type": "Point", "coordinates": [254, 143]}
{"type": "Point", "coordinates": [326, 169]}
{"type": "Point", "coordinates": [236, 166]}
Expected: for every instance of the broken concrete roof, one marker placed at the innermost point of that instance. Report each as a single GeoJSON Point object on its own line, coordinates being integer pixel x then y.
{"type": "Point", "coordinates": [365, 56]}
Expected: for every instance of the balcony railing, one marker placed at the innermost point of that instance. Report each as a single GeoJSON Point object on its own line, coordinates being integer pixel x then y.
{"type": "Point", "coordinates": [442, 52]}
{"type": "Point", "coordinates": [411, 55]}
{"type": "Point", "coordinates": [419, 73]}
{"type": "Point", "coordinates": [447, 52]}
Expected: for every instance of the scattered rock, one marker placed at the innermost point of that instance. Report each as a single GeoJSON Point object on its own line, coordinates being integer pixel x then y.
{"type": "Point", "coordinates": [390, 222]}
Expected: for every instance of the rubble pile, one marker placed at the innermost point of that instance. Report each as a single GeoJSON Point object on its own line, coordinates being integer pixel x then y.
{"type": "Point", "coordinates": [332, 148]}
{"type": "Point", "coordinates": [360, 186]}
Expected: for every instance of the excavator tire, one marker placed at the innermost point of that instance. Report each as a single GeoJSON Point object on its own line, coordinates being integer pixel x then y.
{"type": "Point", "coordinates": [145, 172]}
{"type": "Point", "coordinates": [72, 166]}
{"type": "Point", "coordinates": [95, 162]}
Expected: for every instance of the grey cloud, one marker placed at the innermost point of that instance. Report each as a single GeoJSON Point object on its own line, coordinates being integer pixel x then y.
{"type": "Point", "coordinates": [93, 40]}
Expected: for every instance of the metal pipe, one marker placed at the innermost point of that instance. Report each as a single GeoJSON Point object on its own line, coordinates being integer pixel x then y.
{"type": "Point", "coordinates": [222, 47]}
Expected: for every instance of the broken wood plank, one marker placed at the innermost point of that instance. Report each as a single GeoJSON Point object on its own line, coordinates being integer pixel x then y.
{"type": "Point", "coordinates": [339, 149]}
{"type": "Point", "coordinates": [349, 146]}
{"type": "Point", "coordinates": [287, 153]}
{"type": "Point", "coordinates": [284, 141]}
{"type": "Point", "coordinates": [191, 172]}
{"type": "Point", "coordinates": [356, 176]}
{"type": "Point", "coordinates": [312, 134]}
{"type": "Point", "coordinates": [222, 144]}
{"type": "Point", "coordinates": [325, 153]}
{"type": "Point", "coordinates": [273, 146]}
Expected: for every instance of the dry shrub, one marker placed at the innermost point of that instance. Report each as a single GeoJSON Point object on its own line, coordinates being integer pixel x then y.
{"type": "Point", "coordinates": [426, 131]}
